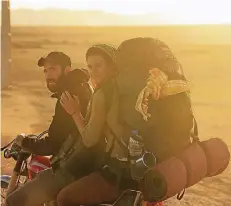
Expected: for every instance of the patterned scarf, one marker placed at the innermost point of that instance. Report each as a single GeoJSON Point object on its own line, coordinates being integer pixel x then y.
{"type": "Point", "coordinates": [158, 87]}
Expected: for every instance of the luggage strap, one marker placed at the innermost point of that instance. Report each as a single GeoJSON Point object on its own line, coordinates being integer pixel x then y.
{"type": "Point", "coordinates": [66, 148]}
{"type": "Point", "coordinates": [195, 135]}
{"type": "Point", "coordinates": [181, 194]}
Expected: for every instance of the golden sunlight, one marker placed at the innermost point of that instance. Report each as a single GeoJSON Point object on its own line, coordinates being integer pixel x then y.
{"type": "Point", "coordinates": [172, 11]}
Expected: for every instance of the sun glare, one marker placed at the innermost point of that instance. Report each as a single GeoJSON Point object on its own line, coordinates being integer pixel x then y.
{"type": "Point", "coordinates": [174, 11]}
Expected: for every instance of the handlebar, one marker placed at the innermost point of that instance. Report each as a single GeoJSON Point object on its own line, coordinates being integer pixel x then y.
{"type": "Point", "coordinates": [3, 148]}
{"type": "Point", "coordinates": [8, 153]}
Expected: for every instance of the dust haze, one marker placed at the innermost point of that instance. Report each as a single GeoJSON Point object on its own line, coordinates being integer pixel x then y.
{"type": "Point", "coordinates": [204, 52]}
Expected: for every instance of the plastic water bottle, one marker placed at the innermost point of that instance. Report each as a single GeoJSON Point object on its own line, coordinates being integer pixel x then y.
{"type": "Point", "coordinates": [135, 147]}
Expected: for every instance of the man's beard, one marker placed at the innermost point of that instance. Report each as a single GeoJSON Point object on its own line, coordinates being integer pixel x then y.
{"type": "Point", "coordinates": [52, 85]}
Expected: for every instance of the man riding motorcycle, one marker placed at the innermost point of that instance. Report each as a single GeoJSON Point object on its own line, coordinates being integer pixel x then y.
{"type": "Point", "coordinates": [59, 78]}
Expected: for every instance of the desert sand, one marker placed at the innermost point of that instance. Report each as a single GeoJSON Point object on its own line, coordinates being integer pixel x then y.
{"type": "Point", "coordinates": [27, 106]}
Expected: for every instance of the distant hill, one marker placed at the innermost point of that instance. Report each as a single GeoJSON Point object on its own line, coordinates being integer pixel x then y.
{"type": "Point", "coordinates": [63, 17]}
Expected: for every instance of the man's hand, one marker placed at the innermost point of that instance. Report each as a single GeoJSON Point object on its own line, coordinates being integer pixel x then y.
{"type": "Point", "coordinates": [70, 104]}
{"type": "Point", "coordinates": [19, 139]}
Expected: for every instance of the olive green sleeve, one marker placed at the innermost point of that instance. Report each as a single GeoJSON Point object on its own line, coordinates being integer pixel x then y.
{"type": "Point", "coordinates": [93, 131]}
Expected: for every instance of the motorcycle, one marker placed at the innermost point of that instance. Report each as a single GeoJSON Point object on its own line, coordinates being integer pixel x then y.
{"type": "Point", "coordinates": [30, 165]}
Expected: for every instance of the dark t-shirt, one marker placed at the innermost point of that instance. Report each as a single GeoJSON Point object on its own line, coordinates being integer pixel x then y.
{"type": "Point", "coordinates": [62, 124]}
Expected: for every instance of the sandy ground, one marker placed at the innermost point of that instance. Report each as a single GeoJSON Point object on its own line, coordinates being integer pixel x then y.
{"type": "Point", "coordinates": [27, 107]}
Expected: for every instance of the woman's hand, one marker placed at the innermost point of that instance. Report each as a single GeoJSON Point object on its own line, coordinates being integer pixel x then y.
{"type": "Point", "coordinates": [69, 103]}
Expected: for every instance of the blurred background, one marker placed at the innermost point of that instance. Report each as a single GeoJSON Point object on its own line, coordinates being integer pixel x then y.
{"type": "Point", "coordinates": [197, 31]}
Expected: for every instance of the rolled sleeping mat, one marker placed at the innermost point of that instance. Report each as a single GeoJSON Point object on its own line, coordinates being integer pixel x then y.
{"type": "Point", "coordinates": [195, 162]}
{"type": "Point", "coordinates": [217, 154]}
{"type": "Point", "coordinates": [164, 180]}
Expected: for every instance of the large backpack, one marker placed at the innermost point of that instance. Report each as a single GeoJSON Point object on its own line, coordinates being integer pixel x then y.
{"type": "Point", "coordinates": [181, 163]}
{"type": "Point", "coordinates": [169, 129]}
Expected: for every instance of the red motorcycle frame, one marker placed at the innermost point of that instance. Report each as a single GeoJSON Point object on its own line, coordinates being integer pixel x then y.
{"type": "Point", "coordinates": [29, 167]}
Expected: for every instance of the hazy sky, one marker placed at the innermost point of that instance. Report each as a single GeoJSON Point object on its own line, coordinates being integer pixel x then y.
{"type": "Point", "coordinates": [193, 11]}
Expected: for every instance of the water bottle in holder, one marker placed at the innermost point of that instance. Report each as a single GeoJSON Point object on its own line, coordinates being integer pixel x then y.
{"type": "Point", "coordinates": [140, 160]}
{"type": "Point", "coordinates": [135, 147]}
